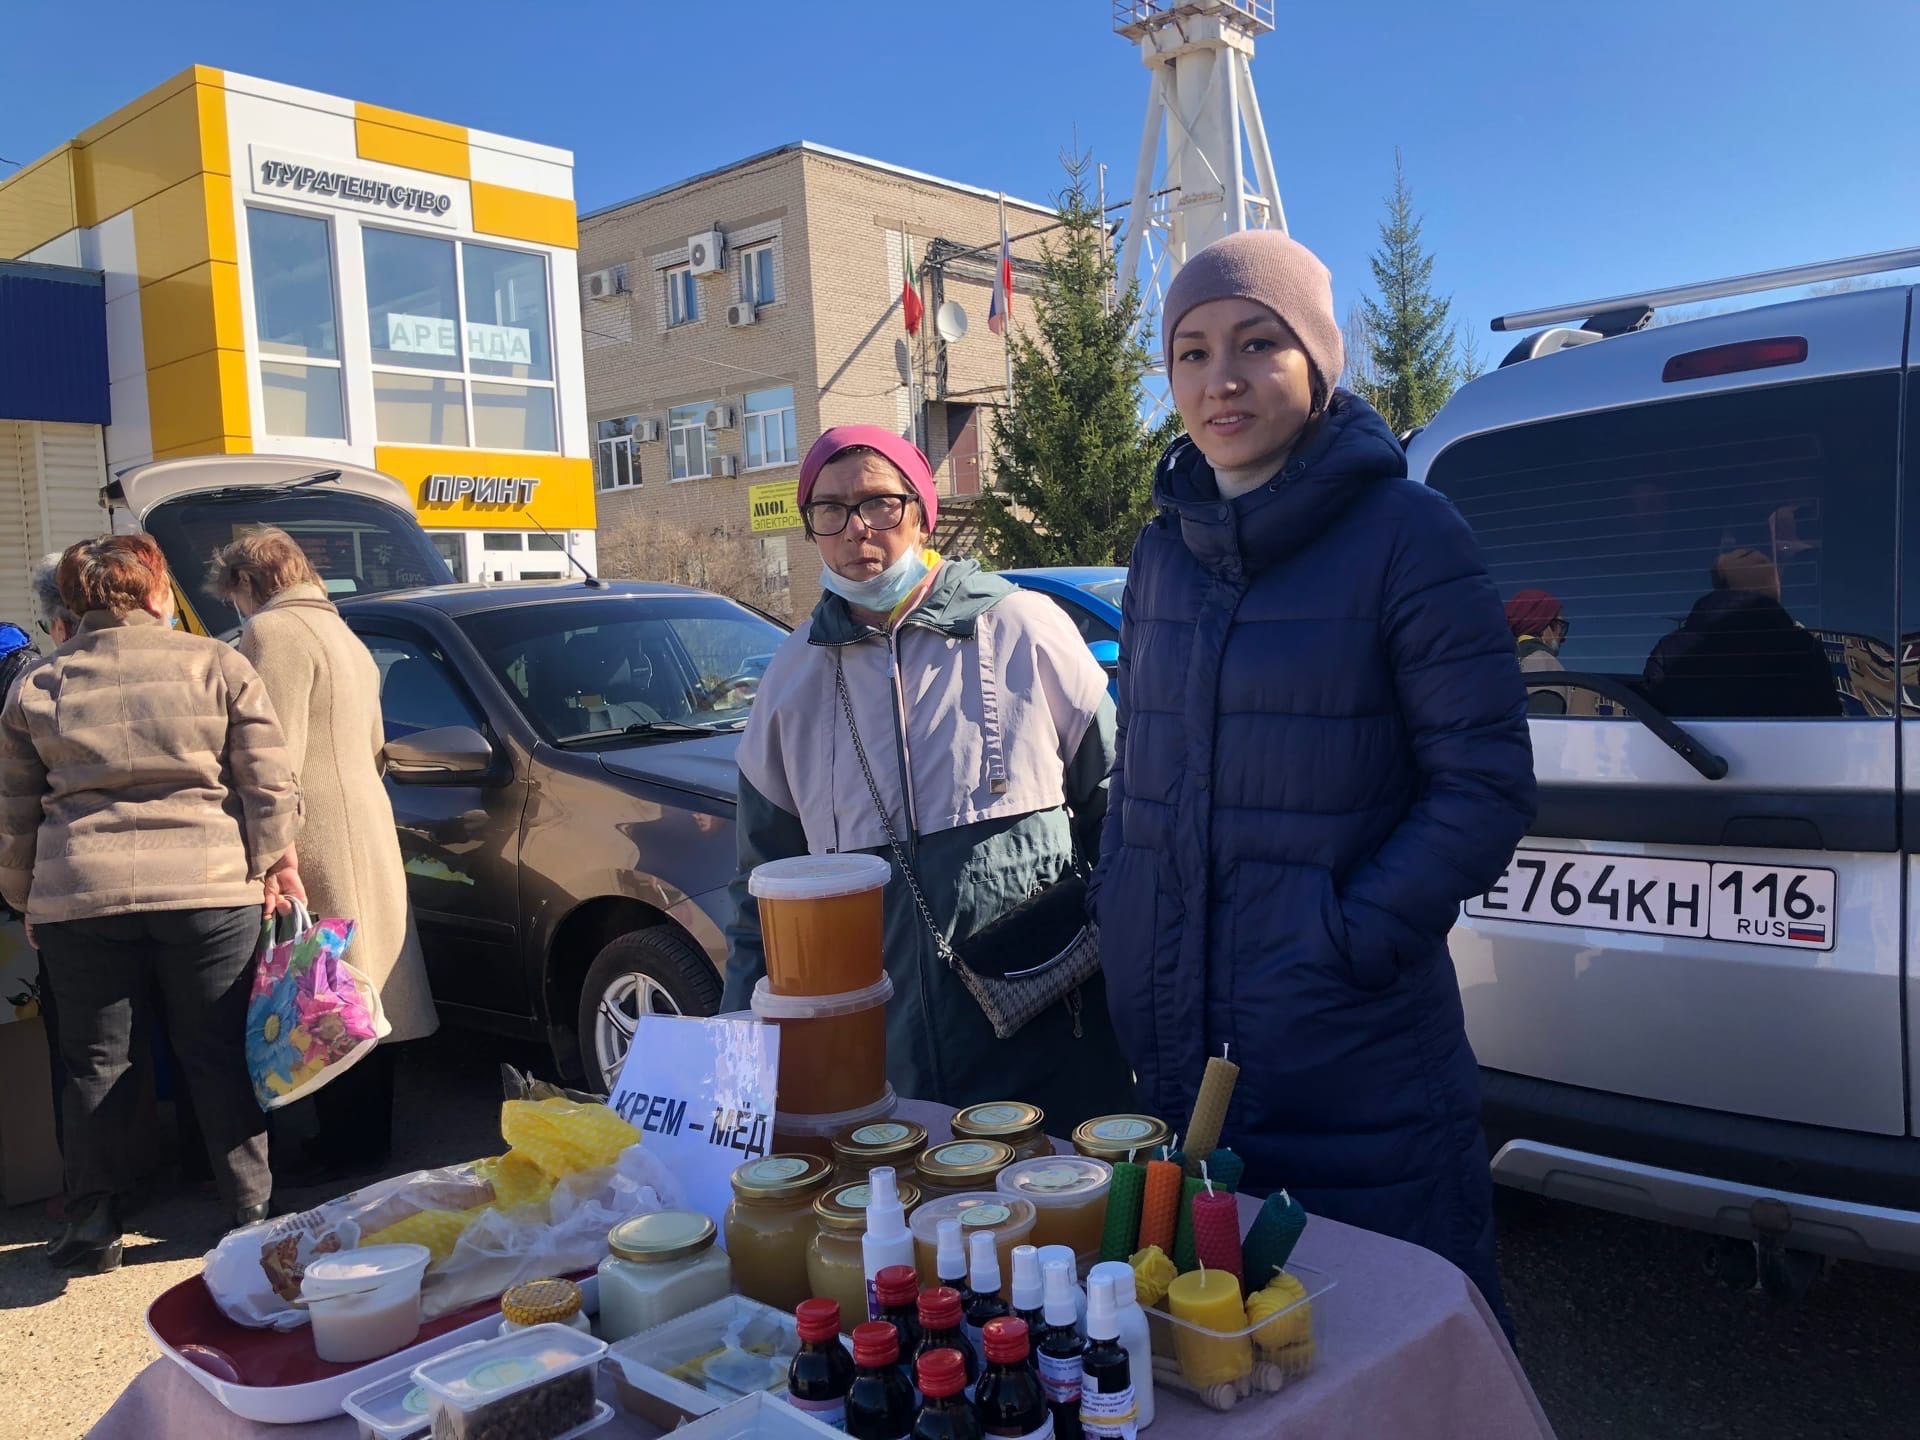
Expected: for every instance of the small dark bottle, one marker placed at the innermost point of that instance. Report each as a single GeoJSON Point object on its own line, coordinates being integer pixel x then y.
{"type": "Point", "coordinates": [822, 1370]}
{"type": "Point", "coordinates": [942, 1327]}
{"type": "Point", "coordinates": [1107, 1408]}
{"type": "Point", "coordinates": [1009, 1401]}
{"type": "Point", "coordinates": [1062, 1354]}
{"type": "Point", "coordinates": [897, 1288]}
{"type": "Point", "coordinates": [983, 1303]}
{"type": "Point", "coordinates": [944, 1413]}
{"type": "Point", "coordinates": [881, 1404]}
{"type": "Point", "coordinates": [950, 1260]}
{"type": "Point", "coordinates": [1029, 1299]}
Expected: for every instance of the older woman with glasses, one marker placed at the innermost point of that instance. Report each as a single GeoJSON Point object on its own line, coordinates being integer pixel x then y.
{"type": "Point", "coordinates": [929, 703]}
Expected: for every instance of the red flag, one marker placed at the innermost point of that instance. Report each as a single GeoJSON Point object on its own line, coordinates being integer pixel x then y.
{"type": "Point", "coordinates": [910, 307]}
{"type": "Point", "coordinates": [1002, 304]}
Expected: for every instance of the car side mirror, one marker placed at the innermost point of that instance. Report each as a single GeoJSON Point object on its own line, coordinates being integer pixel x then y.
{"type": "Point", "coordinates": [440, 756]}
{"type": "Point", "coordinates": [1106, 654]}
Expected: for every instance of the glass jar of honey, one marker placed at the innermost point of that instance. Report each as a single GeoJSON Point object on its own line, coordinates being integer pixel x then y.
{"type": "Point", "coordinates": [962, 1165]}
{"type": "Point", "coordinates": [1011, 1122]}
{"type": "Point", "coordinates": [1007, 1218]}
{"type": "Point", "coordinates": [835, 1267]}
{"type": "Point", "coordinates": [1069, 1195]}
{"type": "Point", "coordinates": [833, 1048]}
{"type": "Point", "coordinates": [820, 921]}
{"type": "Point", "coordinates": [1114, 1138]}
{"type": "Point", "coordinates": [770, 1223]}
{"type": "Point", "coordinates": [857, 1149]}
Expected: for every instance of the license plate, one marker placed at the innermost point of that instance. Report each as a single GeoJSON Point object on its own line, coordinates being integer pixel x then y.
{"type": "Point", "coordinates": [1750, 904]}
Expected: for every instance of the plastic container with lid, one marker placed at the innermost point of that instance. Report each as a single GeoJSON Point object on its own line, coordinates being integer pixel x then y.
{"type": "Point", "coordinates": [543, 1302]}
{"type": "Point", "coordinates": [960, 1166]}
{"type": "Point", "coordinates": [534, 1382]}
{"type": "Point", "coordinates": [836, 1267]}
{"type": "Point", "coordinates": [813, 1134]}
{"type": "Point", "coordinates": [821, 922]}
{"type": "Point", "coordinates": [1114, 1138]}
{"type": "Point", "coordinates": [1012, 1122]}
{"type": "Point", "coordinates": [364, 1303]}
{"type": "Point", "coordinates": [661, 1266]}
{"type": "Point", "coordinates": [704, 1360]}
{"type": "Point", "coordinates": [833, 1048]}
{"type": "Point", "coordinates": [1007, 1218]}
{"type": "Point", "coordinates": [1070, 1194]}
{"type": "Point", "coordinates": [391, 1409]}
{"type": "Point", "coordinates": [858, 1148]}
{"type": "Point", "coordinates": [770, 1224]}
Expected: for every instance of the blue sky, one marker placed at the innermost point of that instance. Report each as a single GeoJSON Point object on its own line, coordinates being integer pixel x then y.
{"type": "Point", "coordinates": [1558, 150]}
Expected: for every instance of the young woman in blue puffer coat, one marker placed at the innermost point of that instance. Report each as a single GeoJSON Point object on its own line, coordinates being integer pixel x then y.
{"type": "Point", "coordinates": [1323, 750]}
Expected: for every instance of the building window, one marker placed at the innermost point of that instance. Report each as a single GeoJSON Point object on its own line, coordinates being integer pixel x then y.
{"type": "Point", "coordinates": [756, 276]}
{"type": "Point", "coordinates": [775, 568]}
{"type": "Point", "coordinates": [549, 543]}
{"type": "Point", "coordinates": [767, 428]}
{"type": "Point", "coordinates": [294, 324]}
{"type": "Point", "coordinates": [453, 549]}
{"type": "Point", "coordinates": [462, 343]}
{"type": "Point", "coordinates": [615, 466]}
{"type": "Point", "coordinates": [683, 296]}
{"type": "Point", "coordinates": [688, 443]}
{"type": "Point", "coordinates": [502, 540]}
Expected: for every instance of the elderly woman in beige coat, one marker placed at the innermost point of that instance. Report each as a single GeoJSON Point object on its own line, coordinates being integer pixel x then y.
{"type": "Point", "coordinates": [326, 691]}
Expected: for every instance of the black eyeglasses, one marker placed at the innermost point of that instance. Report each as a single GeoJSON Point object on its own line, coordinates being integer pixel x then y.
{"type": "Point", "coordinates": [877, 512]}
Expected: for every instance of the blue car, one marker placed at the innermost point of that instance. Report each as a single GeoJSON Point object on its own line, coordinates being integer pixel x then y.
{"type": "Point", "coordinates": [1090, 594]}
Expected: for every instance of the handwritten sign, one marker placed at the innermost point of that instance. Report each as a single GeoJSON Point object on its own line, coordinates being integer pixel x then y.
{"type": "Point", "coordinates": [701, 1092]}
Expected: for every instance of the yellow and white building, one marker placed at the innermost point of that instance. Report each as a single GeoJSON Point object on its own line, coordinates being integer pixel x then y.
{"type": "Point", "coordinates": [286, 272]}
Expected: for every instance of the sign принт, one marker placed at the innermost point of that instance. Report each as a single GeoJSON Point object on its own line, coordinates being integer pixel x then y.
{"type": "Point", "coordinates": [369, 189]}
{"type": "Point", "coordinates": [774, 506]}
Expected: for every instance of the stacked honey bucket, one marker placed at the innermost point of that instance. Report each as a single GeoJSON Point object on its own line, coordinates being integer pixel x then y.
{"type": "Point", "coordinates": [827, 988]}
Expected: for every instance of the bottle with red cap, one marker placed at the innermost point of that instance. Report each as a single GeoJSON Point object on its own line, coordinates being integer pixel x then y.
{"type": "Point", "coordinates": [1010, 1401]}
{"type": "Point", "coordinates": [881, 1404]}
{"type": "Point", "coordinates": [822, 1371]}
{"type": "Point", "coordinates": [945, 1412]}
{"type": "Point", "coordinates": [897, 1290]}
{"type": "Point", "coordinates": [943, 1326]}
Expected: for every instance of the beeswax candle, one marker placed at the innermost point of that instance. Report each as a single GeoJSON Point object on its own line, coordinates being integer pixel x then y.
{"type": "Point", "coordinates": [1271, 1240]}
{"type": "Point", "coordinates": [1119, 1239]}
{"type": "Point", "coordinates": [1160, 1210]}
{"type": "Point", "coordinates": [1216, 1231]}
{"type": "Point", "coordinates": [1210, 1300]}
{"type": "Point", "coordinates": [1184, 1254]}
{"type": "Point", "coordinates": [1210, 1111]}
{"type": "Point", "coordinates": [1226, 1169]}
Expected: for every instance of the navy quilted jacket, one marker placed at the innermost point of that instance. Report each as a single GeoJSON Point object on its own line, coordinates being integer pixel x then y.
{"type": "Point", "coordinates": [1323, 750]}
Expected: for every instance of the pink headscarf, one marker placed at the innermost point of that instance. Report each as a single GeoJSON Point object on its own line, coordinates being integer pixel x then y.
{"type": "Point", "coordinates": [904, 455]}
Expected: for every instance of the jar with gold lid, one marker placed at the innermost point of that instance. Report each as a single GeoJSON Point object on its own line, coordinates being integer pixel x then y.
{"type": "Point", "coordinates": [1012, 1122]}
{"type": "Point", "coordinates": [543, 1302]}
{"type": "Point", "coordinates": [835, 1268]}
{"type": "Point", "coordinates": [662, 1266]}
{"type": "Point", "coordinates": [769, 1223]}
{"type": "Point", "coordinates": [1114, 1138]}
{"type": "Point", "coordinates": [858, 1148]}
{"type": "Point", "coordinates": [962, 1165]}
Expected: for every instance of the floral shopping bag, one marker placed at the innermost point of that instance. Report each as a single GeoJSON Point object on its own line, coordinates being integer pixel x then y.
{"type": "Point", "coordinates": [312, 1015]}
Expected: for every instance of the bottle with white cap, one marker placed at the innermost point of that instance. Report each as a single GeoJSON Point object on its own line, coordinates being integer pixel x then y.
{"type": "Point", "coordinates": [1029, 1298]}
{"type": "Point", "coordinates": [1107, 1405]}
{"type": "Point", "coordinates": [1061, 1352]}
{"type": "Point", "coordinates": [1135, 1338]}
{"type": "Point", "coordinates": [983, 1304]}
{"type": "Point", "coordinates": [1051, 1255]}
{"type": "Point", "coordinates": [950, 1258]}
{"type": "Point", "coordinates": [887, 1241]}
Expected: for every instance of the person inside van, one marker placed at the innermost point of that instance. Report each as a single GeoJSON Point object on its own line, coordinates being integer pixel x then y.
{"type": "Point", "coordinates": [1539, 629]}
{"type": "Point", "coordinates": [1739, 653]}
{"type": "Point", "coordinates": [1323, 751]}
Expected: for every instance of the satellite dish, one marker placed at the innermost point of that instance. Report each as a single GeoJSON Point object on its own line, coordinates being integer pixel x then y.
{"type": "Point", "coordinates": [950, 321]}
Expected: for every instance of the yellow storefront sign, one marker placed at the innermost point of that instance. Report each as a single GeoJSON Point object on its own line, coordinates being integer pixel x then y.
{"type": "Point", "coordinates": [775, 505]}
{"type": "Point", "coordinates": [481, 490]}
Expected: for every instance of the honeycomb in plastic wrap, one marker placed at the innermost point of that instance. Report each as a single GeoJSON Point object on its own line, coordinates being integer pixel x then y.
{"type": "Point", "coordinates": [563, 1136]}
{"type": "Point", "coordinates": [438, 1230]}
{"type": "Point", "coordinates": [516, 1181]}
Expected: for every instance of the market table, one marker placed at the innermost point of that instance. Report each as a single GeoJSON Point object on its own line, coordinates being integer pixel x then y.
{"type": "Point", "coordinates": [1407, 1350]}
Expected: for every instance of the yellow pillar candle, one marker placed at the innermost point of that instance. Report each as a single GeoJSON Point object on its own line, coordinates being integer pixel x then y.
{"type": "Point", "coordinates": [1211, 1300]}
{"type": "Point", "coordinates": [1210, 1111]}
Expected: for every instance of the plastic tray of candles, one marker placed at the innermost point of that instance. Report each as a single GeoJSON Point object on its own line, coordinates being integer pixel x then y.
{"type": "Point", "coordinates": [1225, 1348]}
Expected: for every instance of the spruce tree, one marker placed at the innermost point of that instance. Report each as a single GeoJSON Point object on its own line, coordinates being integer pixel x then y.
{"type": "Point", "coordinates": [1073, 457]}
{"type": "Point", "coordinates": [1414, 368]}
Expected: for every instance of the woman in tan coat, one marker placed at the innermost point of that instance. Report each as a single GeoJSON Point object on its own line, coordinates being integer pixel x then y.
{"type": "Point", "coordinates": [326, 691]}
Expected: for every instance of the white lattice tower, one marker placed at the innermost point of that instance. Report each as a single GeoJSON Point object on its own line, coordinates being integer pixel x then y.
{"type": "Point", "coordinates": [1216, 176]}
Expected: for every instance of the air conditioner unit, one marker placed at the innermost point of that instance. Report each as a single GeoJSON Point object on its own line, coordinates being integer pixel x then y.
{"type": "Point", "coordinates": [646, 431]}
{"type": "Point", "coordinates": [706, 252]}
{"type": "Point", "coordinates": [606, 284]}
{"type": "Point", "coordinates": [722, 467]}
{"type": "Point", "coordinates": [720, 417]}
{"type": "Point", "coordinates": [741, 312]}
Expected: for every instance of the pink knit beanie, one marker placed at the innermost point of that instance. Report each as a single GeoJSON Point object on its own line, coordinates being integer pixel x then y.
{"type": "Point", "coordinates": [1270, 269]}
{"type": "Point", "coordinates": [904, 455]}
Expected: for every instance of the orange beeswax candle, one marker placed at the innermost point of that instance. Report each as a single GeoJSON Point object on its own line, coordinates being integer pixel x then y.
{"type": "Point", "coordinates": [1160, 1211]}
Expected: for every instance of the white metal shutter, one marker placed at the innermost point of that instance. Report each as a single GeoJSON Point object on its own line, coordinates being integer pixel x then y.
{"type": "Point", "coordinates": [72, 465]}
{"type": "Point", "coordinates": [18, 514]}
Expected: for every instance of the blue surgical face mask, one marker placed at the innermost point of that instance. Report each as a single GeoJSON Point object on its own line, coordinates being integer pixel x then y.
{"type": "Point", "coordinates": [883, 591]}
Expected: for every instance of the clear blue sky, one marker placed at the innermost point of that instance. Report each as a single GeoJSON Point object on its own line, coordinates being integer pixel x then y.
{"type": "Point", "coordinates": [1558, 150]}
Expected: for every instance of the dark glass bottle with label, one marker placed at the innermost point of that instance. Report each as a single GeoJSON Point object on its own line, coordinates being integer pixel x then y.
{"type": "Point", "coordinates": [881, 1404]}
{"type": "Point", "coordinates": [897, 1288]}
{"type": "Point", "coordinates": [983, 1303]}
{"type": "Point", "coordinates": [942, 1326]}
{"type": "Point", "coordinates": [822, 1371]}
{"type": "Point", "coordinates": [1061, 1352]}
{"type": "Point", "coordinates": [1009, 1402]}
{"type": "Point", "coordinates": [1106, 1390]}
{"type": "Point", "coordinates": [945, 1413]}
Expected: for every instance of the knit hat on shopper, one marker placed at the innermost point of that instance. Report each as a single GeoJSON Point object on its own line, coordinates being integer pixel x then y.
{"type": "Point", "coordinates": [903, 454]}
{"type": "Point", "coordinates": [1270, 269]}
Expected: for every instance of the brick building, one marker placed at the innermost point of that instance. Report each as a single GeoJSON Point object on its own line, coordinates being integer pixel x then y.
{"type": "Point", "coordinates": [729, 318]}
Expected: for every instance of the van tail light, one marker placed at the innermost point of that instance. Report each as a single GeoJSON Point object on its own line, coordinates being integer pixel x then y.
{"type": "Point", "coordinates": [1731, 359]}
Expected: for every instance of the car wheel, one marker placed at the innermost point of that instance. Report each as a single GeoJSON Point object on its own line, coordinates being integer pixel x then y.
{"type": "Point", "coordinates": [657, 971]}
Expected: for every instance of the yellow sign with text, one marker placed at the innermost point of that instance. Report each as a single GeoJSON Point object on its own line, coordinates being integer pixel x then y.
{"type": "Point", "coordinates": [774, 506]}
{"type": "Point", "coordinates": [492, 490]}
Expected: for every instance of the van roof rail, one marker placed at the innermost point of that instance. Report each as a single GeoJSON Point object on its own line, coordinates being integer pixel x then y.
{"type": "Point", "coordinates": [1875, 264]}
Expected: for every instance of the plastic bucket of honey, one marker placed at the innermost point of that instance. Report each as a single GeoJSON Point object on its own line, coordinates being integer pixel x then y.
{"type": "Point", "coordinates": [833, 1048]}
{"type": "Point", "coordinates": [821, 920]}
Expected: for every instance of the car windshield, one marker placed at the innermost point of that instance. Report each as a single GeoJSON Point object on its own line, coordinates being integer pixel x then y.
{"type": "Point", "coordinates": [1107, 590]}
{"type": "Point", "coordinates": [359, 545]}
{"type": "Point", "coordinates": [623, 666]}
